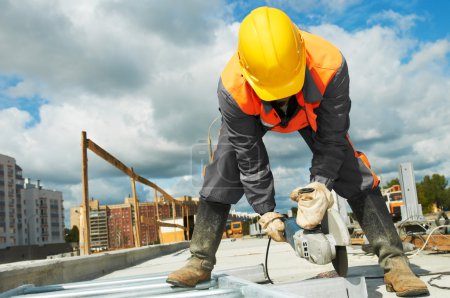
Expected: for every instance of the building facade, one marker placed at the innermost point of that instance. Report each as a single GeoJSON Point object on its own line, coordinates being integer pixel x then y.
{"type": "Point", "coordinates": [43, 216]}
{"type": "Point", "coordinates": [120, 226]}
{"type": "Point", "coordinates": [98, 221]}
{"type": "Point", "coordinates": [11, 203]}
{"type": "Point", "coordinates": [120, 223]}
{"type": "Point", "coordinates": [149, 231]}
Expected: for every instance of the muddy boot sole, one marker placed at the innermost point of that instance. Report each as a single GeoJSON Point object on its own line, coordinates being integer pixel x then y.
{"type": "Point", "coordinates": [184, 284]}
{"type": "Point", "coordinates": [408, 293]}
{"type": "Point", "coordinates": [178, 283]}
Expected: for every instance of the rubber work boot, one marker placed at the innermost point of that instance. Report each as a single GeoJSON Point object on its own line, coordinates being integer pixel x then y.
{"type": "Point", "coordinates": [208, 230]}
{"type": "Point", "coordinates": [373, 216]}
{"type": "Point", "coordinates": [401, 279]}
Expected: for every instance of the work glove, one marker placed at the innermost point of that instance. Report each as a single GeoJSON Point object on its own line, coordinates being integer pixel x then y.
{"type": "Point", "coordinates": [272, 224]}
{"type": "Point", "coordinates": [313, 201]}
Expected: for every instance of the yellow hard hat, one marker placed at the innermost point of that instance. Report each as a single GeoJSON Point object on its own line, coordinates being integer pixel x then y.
{"type": "Point", "coordinates": [271, 53]}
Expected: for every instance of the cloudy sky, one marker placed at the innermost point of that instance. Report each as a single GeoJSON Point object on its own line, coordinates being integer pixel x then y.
{"type": "Point", "coordinates": [140, 78]}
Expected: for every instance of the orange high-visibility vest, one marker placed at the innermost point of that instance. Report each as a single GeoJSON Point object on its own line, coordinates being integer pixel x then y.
{"type": "Point", "coordinates": [323, 61]}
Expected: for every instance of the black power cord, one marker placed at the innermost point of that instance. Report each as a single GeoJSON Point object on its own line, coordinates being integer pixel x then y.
{"type": "Point", "coordinates": [438, 278]}
{"type": "Point", "coordinates": [441, 274]}
{"type": "Point", "coordinates": [267, 256]}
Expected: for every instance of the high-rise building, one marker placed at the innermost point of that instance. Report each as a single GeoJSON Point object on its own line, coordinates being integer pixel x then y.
{"type": "Point", "coordinates": [44, 216]}
{"type": "Point", "coordinates": [149, 229]}
{"type": "Point", "coordinates": [98, 225]}
{"type": "Point", "coordinates": [120, 226]}
{"type": "Point", "coordinates": [11, 204]}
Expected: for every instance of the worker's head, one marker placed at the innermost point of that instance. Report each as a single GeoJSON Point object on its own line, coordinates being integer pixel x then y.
{"type": "Point", "coordinates": [271, 54]}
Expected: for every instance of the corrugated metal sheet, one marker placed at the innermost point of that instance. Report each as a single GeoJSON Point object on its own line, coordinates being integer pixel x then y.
{"type": "Point", "coordinates": [241, 282]}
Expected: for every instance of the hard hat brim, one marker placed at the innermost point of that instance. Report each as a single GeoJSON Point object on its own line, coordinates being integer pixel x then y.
{"type": "Point", "coordinates": [271, 93]}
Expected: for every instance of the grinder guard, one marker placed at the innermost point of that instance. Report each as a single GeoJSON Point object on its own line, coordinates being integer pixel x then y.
{"type": "Point", "coordinates": [321, 246]}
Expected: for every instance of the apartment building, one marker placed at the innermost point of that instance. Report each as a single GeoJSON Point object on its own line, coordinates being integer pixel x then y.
{"type": "Point", "coordinates": [11, 203]}
{"type": "Point", "coordinates": [99, 226]}
{"type": "Point", "coordinates": [44, 215]}
{"type": "Point", "coordinates": [149, 230]}
{"type": "Point", "coordinates": [120, 226]}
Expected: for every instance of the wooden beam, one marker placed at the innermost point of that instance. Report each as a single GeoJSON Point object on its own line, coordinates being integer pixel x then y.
{"type": "Point", "coordinates": [160, 190]}
{"type": "Point", "coordinates": [109, 158]}
{"type": "Point", "coordinates": [436, 242]}
{"type": "Point", "coordinates": [137, 222]}
{"type": "Point", "coordinates": [158, 228]}
{"type": "Point", "coordinates": [85, 248]}
{"type": "Point", "coordinates": [169, 225]}
{"type": "Point", "coordinates": [128, 171]}
{"type": "Point", "coordinates": [147, 221]}
{"type": "Point", "coordinates": [182, 218]}
{"type": "Point", "coordinates": [187, 222]}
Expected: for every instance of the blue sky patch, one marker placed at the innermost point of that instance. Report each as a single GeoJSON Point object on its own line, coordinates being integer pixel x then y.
{"type": "Point", "coordinates": [9, 81]}
{"type": "Point", "coordinates": [31, 105]}
{"type": "Point", "coordinates": [431, 17]}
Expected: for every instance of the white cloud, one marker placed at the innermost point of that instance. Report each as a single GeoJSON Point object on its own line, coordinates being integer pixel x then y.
{"type": "Point", "coordinates": [402, 22]}
{"type": "Point", "coordinates": [398, 102]}
{"type": "Point", "coordinates": [140, 92]}
{"type": "Point", "coordinates": [146, 92]}
{"type": "Point", "coordinates": [12, 119]}
{"type": "Point", "coordinates": [332, 6]}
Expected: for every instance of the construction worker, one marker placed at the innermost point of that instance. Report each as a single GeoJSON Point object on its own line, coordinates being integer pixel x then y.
{"type": "Point", "coordinates": [286, 80]}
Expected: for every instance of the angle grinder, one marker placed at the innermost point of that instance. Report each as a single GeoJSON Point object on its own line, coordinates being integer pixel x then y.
{"type": "Point", "coordinates": [326, 243]}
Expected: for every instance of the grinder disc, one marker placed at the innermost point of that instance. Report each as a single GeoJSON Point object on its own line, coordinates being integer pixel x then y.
{"type": "Point", "coordinates": [340, 263]}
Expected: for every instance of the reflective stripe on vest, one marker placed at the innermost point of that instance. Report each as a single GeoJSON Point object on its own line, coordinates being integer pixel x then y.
{"type": "Point", "coordinates": [323, 60]}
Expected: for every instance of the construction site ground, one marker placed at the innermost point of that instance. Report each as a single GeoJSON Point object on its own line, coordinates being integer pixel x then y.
{"type": "Point", "coordinates": [284, 266]}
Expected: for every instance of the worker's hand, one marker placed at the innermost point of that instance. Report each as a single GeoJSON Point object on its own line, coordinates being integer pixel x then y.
{"type": "Point", "coordinates": [313, 201]}
{"type": "Point", "coordinates": [272, 224]}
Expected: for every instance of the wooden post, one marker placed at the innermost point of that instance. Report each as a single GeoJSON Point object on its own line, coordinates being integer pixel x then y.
{"type": "Point", "coordinates": [173, 220]}
{"type": "Point", "coordinates": [137, 217]}
{"type": "Point", "coordinates": [182, 218]}
{"type": "Point", "coordinates": [187, 209]}
{"type": "Point", "coordinates": [85, 249]}
{"type": "Point", "coordinates": [157, 215]}
{"type": "Point", "coordinates": [156, 205]}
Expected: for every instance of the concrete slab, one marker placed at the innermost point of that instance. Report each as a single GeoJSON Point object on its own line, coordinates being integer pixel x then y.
{"type": "Point", "coordinates": [72, 269]}
{"type": "Point", "coordinates": [284, 266]}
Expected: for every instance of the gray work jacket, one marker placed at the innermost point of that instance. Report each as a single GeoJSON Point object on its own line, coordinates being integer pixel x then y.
{"type": "Point", "coordinates": [245, 133]}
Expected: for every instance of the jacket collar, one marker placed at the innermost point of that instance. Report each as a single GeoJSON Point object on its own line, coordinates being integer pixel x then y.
{"type": "Point", "coordinates": [310, 91]}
